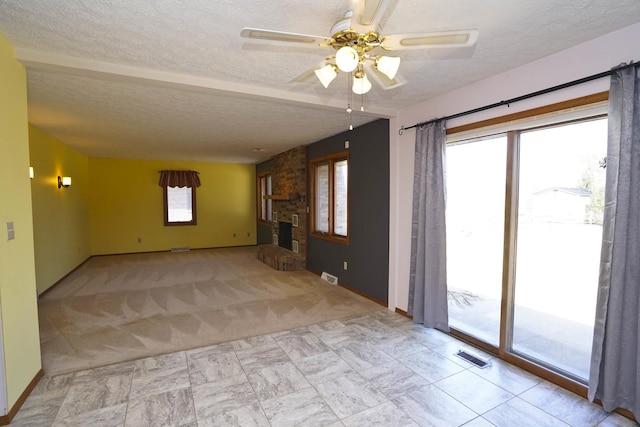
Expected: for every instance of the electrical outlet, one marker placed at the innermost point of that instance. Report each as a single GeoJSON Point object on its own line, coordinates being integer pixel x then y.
{"type": "Point", "coordinates": [234, 234]}
{"type": "Point", "coordinates": [344, 265]}
{"type": "Point", "coordinates": [139, 239]}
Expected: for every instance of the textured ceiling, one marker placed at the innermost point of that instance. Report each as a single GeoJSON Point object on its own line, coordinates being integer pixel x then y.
{"type": "Point", "coordinates": [173, 79]}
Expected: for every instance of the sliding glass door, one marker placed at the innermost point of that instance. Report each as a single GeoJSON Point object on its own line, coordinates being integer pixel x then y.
{"type": "Point", "coordinates": [524, 231]}
{"type": "Point", "coordinates": [559, 236]}
{"type": "Point", "coordinates": [475, 225]}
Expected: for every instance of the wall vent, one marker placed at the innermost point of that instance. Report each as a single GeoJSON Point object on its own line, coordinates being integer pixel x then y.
{"type": "Point", "coordinates": [473, 358]}
{"type": "Point", "coordinates": [329, 278]}
{"type": "Point", "coordinates": [181, 249]}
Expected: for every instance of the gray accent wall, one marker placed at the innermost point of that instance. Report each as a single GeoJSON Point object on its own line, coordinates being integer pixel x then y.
{"type": "Point", "coordinates": [367, 254]}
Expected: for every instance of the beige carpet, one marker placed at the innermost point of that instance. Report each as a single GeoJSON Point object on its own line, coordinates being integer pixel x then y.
{"type": "Point", "coordinates": [124, 307]}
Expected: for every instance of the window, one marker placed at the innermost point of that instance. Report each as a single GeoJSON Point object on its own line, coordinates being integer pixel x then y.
{"type": "Point", "coordinates": [329, 198]}
{"type": "Point", "coordinates": [264, 205]}
{"type": "Point", "coordinates": [180, 206]}
{"type": "Point", "coordinates": [524, 230]}
{"type": "Point", "coordinates": [179, 196]}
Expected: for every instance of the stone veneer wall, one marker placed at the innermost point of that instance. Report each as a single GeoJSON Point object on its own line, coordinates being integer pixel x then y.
{"type": "Point", "coordinates": [289, 177]}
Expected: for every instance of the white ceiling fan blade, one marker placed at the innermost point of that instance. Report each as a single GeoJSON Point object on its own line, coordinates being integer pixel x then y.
{"type": "Point", "coordinates": [283, 36]}
{"type": "Point", "coordinates": [461, 38]}
{"type": "Point", "coordinates": [383, 81]}
{"type": "Point", "coordinates": [367, 14]}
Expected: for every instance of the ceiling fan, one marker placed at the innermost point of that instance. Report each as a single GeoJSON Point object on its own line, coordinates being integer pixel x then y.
{"type": "Point", "coordinates": [358, 44]}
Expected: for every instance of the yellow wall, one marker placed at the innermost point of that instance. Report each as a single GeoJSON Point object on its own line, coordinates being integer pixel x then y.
{"type": "Point", "coordinates": [20, 336]}
{"type": "Point", "coordinates": [126, 205]}
{"type": "Point", "coordinates": [60, 216]}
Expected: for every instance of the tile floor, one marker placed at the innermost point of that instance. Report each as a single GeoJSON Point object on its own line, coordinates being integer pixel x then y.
{"type": "Point", "coordinates": [378, 369]}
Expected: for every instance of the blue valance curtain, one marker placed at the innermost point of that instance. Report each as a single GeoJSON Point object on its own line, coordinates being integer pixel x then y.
{"type": "Point", "coordinates": [615, 360]}
{"type": "Point", "coordinates": [428, 275]}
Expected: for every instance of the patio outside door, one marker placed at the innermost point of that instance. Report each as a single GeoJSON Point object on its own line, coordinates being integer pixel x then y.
{"type": "Point", "coordinates": [524, 232]}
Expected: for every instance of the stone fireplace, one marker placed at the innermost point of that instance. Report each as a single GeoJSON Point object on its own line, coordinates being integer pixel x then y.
{"type": "Point", "coordinates": [289, 205]}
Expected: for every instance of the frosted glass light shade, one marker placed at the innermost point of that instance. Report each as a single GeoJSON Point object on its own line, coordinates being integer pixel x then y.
{"type": "Point", "coordinates": [361, 85]}
{"type": "Point", "coordinates": [388, 65]}
{"type": "Point", "coordinates": [64, 181]}
{"type": "Point", "coordinates": [347, 59]}
{"type": "Point", "coordinates": [326, 74]}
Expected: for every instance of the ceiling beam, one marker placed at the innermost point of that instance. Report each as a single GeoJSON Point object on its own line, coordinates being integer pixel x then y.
{"type": "Point", "coordinates": [39, 60]}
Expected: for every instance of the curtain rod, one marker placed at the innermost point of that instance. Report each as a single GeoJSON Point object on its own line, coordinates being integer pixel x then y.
{"type": "Point", "coordinates": [523, 97]}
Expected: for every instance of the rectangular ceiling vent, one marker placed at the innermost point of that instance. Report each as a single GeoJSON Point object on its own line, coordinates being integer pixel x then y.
{"type": "Point", "coordinates": [473, 358]}
{"type": "Point", "coordinates": [329, 278]}
{"type": "Point", "coordinates": [181, 249]}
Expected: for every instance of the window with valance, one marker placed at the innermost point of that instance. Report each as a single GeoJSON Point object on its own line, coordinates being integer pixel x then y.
{"type": "Point", "coordinates": [179, 196]}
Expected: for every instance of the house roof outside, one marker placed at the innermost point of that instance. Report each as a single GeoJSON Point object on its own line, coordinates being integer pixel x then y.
{"type": "Point", "coordinates": [580, 192]}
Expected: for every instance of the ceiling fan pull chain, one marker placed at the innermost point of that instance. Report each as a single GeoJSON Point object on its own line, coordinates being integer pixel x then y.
{"type": "Point", "coordinates": [349, 102]}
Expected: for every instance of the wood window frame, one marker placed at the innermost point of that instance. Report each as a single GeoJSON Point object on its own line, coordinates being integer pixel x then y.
{"type": "Point", "coordinates": [262, 216]}
{"type": "Point", "coordinates": [329, 160]}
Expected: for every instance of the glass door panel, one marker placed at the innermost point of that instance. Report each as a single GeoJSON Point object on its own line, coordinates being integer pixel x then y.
{"type": "Point", "coordinates": [475, 174]}
{"type": "Point", "coordinates": [558, 241]}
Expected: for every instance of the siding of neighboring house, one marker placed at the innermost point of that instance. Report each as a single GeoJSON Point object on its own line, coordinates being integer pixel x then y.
{"type": "Point", "coordinates": [566, 205]}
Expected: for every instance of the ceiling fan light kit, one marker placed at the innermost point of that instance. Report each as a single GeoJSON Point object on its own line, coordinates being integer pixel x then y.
{"type": "Point", "coordinates": [354, 41]}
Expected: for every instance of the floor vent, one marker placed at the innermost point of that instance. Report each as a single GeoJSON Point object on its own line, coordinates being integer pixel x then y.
{"type": "Point", "coordinates": [181, 249]}
{"type": "Point", "coordinates": [329, 278]}
{"type": "Point", "coordinates": [472, 358]}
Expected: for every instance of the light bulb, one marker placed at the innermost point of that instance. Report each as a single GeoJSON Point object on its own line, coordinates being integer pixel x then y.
{"type": "Point", "coordinates": [361, 83]}
{"type": "Point", "coordinates": [347, 59]}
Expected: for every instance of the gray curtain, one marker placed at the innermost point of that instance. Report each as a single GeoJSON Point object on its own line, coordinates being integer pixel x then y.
{"type": "Point", "coordinates": [428, 275]}
{"type": "Point", "coordinates": [615, 360]}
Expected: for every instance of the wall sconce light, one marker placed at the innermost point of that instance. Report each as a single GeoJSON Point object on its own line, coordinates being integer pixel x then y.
{"type": "Point", "coordinates": [64, 181]}
{"type": "Point", "coordinates": [31, 172]}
